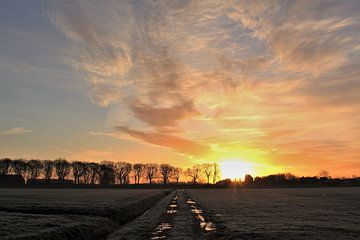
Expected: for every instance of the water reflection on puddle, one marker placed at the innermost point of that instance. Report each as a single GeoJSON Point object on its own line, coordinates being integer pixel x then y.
{"type": "Point", "coordinates": [207, 226]}
{"type": "Point", "coordinates": [158, 234]}
{"type": "Point", "coordinates": [161, 229]}
{"type": "Point", "coordinates": [172, 208]}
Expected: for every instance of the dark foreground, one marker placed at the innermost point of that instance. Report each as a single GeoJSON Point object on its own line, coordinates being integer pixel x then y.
{"type": "Point", "coordinates": [311, 213]}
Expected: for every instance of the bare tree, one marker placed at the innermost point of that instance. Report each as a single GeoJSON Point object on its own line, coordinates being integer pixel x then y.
{"type": "Point", "coordinates": [151, 171]}
{"type": "Point", "coordinates": [62, 168]}
{"type": "Point", "coordinates": [48, 169]}
{"type": "Point", "coordinates": [208, 170]}
{"type": "Point", "coordinates": [5, 165]}
{"type": "Point", "coordinates": [324, 173]}
{"type": "Point", "coordinates": [194, 172]}
{"type": "Point", "coordinates": [34, 168]}
{"type": "Point", "coordinates": [77, 170]}
{"type": "Point", "coordinates": [165, 172]}
{"type": "Point", "coordinates": [106, 173]}
{"type": "Point", "coordinates": [19, 167]}
{"type": "Point", "coordinates": [126, 175]}
{"type": "Point", "coordinates": [138, 169]}
{"type": "Point", "coordinates": [216, 172]}
{"type": "Point", "coordinates": [177, 174]}
{"type": "Point", "coordinates": [85, 172]}
{"type": "Point", "coordinates": [122, 171]}
{"type": "Point", "coordinates": [93, 172]}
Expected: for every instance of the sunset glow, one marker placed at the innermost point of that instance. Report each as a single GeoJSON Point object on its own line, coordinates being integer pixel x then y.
{"type": "Point", "coordinates": [259, 86]}
{"type": "Point", "coordinates": [236, 169]}
{"type": "Point", "coordinates": [180, 119]}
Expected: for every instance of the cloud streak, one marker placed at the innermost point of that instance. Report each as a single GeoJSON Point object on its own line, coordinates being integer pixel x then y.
{"type": "Point", "coordinates": [181, 145]}
{"type": "Point", "coordinates": [16, 131]}
{"type": "Point", "coordinates": [177, 73]}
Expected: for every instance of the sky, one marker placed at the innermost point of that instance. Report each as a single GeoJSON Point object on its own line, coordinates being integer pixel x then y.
{"type": "Point", "coordinates": [271, 85]}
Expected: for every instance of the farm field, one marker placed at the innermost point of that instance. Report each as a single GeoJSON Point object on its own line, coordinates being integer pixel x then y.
{"type": "Point", "coordinates": [120, 214]}
{"type": "Point", "coordinates": [310, 213]}
{"type": "Point", "coordinates": [70, 213]}
{"type": "Point", "coordinates": [101, 202]}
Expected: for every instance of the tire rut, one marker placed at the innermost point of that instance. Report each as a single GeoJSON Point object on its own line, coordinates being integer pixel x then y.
{"type": "Point", "coordinates": [184, 220]}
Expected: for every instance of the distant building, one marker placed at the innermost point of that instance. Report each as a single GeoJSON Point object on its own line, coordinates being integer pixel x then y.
{"type": "Point", "coordinates": [11, 180]}
{"type": "Point", "coordinates": [224, 182]}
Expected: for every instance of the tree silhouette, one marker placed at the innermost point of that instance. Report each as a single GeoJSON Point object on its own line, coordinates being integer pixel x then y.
{"type": "Point", "coordinates": [85, 172]}
{"type": "Point", "coordinates": [290, 177]}
{"type": "Point", "coordinates": [165, 172]}
{"type": "Point", "coordinates": [151, 171]}
{"type": "Point", "coordinates": [177, 174]}
{"type": "Point", "coordinates": [77, 169]}
{"type": "Point", "coordinates": [48, 169]}
{"type": "Point", "coordinates": [5, 165]}
{"type": "Point", "coordinates": [194, 172]}
{"type": "Point", "coordinates": [106, 173]}
{"type": "Point", "coordinates": [216, 172]}
{"type": "Point", "coordinates": [62, 168]}
{"type": "Point", "coordinates": [208, 170]}
{"type": "Point", "coordinates": [122, 171]}
{"type": "Point", "coordinates": [324, 173]}
{"type": "Point", "coordinates": [19, 167]}
{"type": "Point", "coordinates": [248, 180]}
{"type": "Point", "coordinates": [34, 168]}
{"type": "Point", "coordinates": [138, 169]}
{"type": "Point", "coordinates": [93, 172]}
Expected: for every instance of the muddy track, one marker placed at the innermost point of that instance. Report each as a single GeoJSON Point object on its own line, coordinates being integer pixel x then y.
{"type": "Point", "coordinates": [184, 219]}
{"type": "Point", "coordinates": [176, 216]}
{"type": "Point", "coordinates": [211, 225]}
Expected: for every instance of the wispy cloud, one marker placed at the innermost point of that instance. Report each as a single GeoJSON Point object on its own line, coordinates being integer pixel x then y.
{"type": "Point", "coordinates": [299, 38]}
{"type": "Point", "coordinates": [16, 131]}
{"type": "Point", "coordinates": [177, 73]}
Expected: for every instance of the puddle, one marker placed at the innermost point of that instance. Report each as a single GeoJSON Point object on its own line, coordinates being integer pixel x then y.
{"type": "Point", "coordinates": [206, 225]}
{"type": "Point", "coordinates": [159, 232]}
{"type": "Point", "coordinates": [172, 208]}
{"type": "Point", "coordinates": [163, 227]}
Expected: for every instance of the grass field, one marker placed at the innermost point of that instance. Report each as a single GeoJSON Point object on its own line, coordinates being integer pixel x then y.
{"type": "Point", "coordinates": [309, 213]}
{"type": "Point", "coordinates": [70, 213]}
{"type": "Point", "coordinates": [312, 213]}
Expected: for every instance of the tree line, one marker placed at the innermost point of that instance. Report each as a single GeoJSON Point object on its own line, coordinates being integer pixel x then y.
{"type": "Point", "coordinates": [323, 179]}
{"type": "Point", "coordinates": [107, 172]}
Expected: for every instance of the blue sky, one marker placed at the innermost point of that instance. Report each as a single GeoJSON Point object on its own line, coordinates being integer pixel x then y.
{"type": "Point", "coordinates": [39, 92]}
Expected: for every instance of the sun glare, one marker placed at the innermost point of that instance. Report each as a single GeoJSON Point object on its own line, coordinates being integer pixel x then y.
{"type": "Point", "coordinates": [235, 169]}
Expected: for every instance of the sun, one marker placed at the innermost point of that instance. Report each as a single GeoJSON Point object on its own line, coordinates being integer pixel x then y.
{"type": "Point", "coordinates": [235, 168]}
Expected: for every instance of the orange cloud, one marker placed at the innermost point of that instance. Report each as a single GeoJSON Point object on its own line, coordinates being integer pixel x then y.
{"type": "Point", "coordinates": [167, 116]}
{"type": "Point", "coordinates": [181, 145]}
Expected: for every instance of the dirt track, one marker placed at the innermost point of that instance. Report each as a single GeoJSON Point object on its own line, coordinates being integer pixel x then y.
{"type": "Point", "coordinates": [175, 217]}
